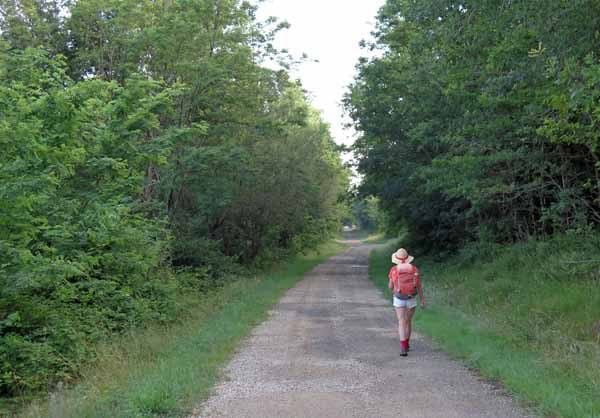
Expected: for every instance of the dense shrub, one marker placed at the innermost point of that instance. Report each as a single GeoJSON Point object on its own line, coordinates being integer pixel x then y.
{"type": "Point", "coordinates": [145, 155]}
{"type": "Point", "coordinates": [78, 258]}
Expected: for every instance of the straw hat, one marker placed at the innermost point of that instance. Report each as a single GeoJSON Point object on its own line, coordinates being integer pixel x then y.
{"type": "Point", "coordinates": [401, 256]}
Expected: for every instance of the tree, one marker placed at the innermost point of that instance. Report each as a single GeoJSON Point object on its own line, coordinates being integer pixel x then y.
{"type": "Point", "coordinates": [460, 119]}
{"type": "Point", "coordinates": [141, 139]}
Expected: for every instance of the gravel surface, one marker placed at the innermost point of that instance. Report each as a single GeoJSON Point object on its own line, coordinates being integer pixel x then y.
{"type": "Point", "coordinates": [330, 349]}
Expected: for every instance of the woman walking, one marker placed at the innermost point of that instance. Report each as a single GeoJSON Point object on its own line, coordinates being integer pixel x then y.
{"type": "Point", "coordinates": [405, 283]}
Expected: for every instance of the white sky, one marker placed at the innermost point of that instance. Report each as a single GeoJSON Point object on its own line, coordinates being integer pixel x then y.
{"type": "Point", "coordinates": [328, 31]}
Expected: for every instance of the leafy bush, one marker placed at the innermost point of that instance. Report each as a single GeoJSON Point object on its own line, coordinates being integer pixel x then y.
{"type": "Point", "coordinates": [78, 259]}
{"type": "Point", "coordinates": [141, 165]}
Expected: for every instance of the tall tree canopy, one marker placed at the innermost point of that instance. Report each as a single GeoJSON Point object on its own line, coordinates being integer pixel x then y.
{"type": "Point", "coordinates": [139, 139]}
{"type": "Point", "coordinates": [478, 118]}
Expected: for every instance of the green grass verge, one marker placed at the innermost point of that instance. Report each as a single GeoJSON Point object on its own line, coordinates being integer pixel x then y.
{"type": "Point", "coordinates": [379, 238]}
{"type": "Point", "coordinates": [516, 324]}
{"type": "Point", "coordinates": [168, 371]}
{"type": "Point", "coordinates": [370, 237]}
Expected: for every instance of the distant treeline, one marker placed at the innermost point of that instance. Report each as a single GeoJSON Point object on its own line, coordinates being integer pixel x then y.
{"type": "Point", "coordinates": [480, 120]}
{"type": "Point", "coordinates": [139, 139]}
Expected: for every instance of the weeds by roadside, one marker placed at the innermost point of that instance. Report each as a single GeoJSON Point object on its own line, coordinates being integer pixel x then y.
{"type": "Point", "coordinates": [167, 371]}
{"type": "Point", "coordinates": [524, 315]}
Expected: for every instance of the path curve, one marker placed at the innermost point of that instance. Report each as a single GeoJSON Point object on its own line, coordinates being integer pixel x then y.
{"type": "Point", "coordinates": [330, 349]}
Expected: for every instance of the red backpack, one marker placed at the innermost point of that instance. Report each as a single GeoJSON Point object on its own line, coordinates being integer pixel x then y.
{"type": "Point", "coordinates": [408, 279]}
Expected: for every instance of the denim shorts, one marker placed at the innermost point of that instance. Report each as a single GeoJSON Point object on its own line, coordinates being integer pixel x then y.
{"type": "Point", "coordinates": [408, 303]}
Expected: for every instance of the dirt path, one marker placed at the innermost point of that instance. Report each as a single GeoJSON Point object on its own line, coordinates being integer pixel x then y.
{"type": "Point", "coordinates": [330, 349]}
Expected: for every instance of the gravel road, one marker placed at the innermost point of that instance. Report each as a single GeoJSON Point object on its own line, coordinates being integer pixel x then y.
{"type": "Point", "coordinates": [330, 349]}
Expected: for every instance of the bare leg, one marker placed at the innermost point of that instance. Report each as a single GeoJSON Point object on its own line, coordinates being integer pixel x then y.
{"type": "Point", "coordinates": [401, 315]}
{"type": "Point", "coordinates": [409, 316]}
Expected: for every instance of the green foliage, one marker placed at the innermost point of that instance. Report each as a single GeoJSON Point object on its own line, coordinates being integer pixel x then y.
{"type": "Point", "coordinates": [72, 266]}
{"type": "Point", "coordinates": [478, 117]}
{"type": "Point", "coordinates": [277, 189]}
{"type": "Point", "coordinates": [367, 214]}
{"type": "Point", "coordinates": [167, 371]}
{"type": "Point", "coordinates": [141, 139]}
{"type": "Point", "coordinates": [33, 23]}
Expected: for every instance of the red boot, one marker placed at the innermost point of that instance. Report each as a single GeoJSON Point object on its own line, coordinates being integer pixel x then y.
{"type": "Point", "coordinates": [404, 348]}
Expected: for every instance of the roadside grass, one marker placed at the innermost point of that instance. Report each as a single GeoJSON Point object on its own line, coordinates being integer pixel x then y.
{"type": "Point", "coordinates": [525, 316]}
{"type": "Point", "coordinates": [355, 234]}
{"type": "Point", "coordinates": [367, 236]}
{"type": "Point", "coordinates": [168, 371]}
{"type": "Point", "coordinates": [379, 238]}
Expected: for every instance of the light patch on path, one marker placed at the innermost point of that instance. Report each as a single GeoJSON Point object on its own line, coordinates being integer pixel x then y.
{"type": "Point", "coordinates": [330, 349]}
